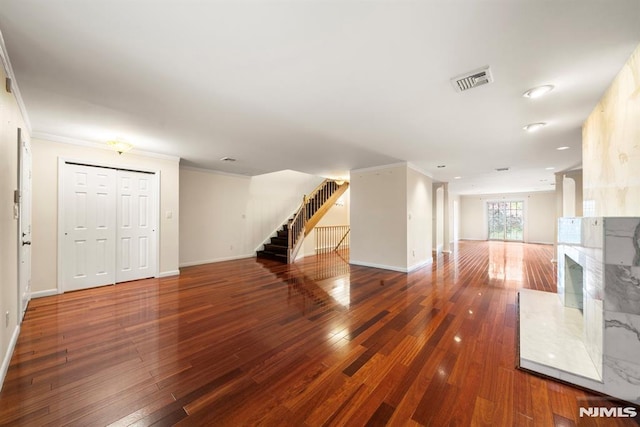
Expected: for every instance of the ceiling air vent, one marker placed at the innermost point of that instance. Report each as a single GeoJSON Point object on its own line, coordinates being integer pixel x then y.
{"type": "Point", "coordinates": [502, 169]}
{"type": "Point", "coordinates": [479, 77]}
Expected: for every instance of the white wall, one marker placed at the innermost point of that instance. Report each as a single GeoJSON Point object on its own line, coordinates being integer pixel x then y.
{"type": "Point", "coordinates": [539, 215]}
{"type": "Point", "coordinates": [381, 200]}
{"type": "Point", "coordinates": [225, 216]}
{"type": "Point", "coordinates": [10, 120]}
{"type": "Point", "coordinates": [419, 232]}
{"type": "Point", "coordinates": [378, 217]}
{"type": "Point", "coordinates": [45, 205]}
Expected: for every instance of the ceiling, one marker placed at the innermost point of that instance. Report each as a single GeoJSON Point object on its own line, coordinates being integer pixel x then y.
{"type": "Point", "coordinates": [324, 86]}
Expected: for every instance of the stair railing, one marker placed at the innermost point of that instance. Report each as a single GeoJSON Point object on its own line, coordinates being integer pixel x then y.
{"type": "Point", "coordinates": [344, 241]}
{"type": "Point", "coordinates": [310, 205]}
{"type": "Point", "coordinates": [296, 231]}
{"type": "Point", "coordinates": [330, 238]}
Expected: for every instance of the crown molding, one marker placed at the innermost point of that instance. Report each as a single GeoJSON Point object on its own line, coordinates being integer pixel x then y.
{"type": "Point", "coordinates": [419, 170]}
{"type": "Point", "coordinates": [376, 168]}
{"type": "Point", "coordinates": [92, 144]}
{"type": "Point", "coordinates": [15, 90]}
{"type": "Point", "coordinates": [393, 165]}
{"type": "Point", "coordinates": [214, 172]}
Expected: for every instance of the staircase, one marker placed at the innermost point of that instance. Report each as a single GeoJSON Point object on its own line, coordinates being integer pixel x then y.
{"type": "Point", "coordinates": [277, 248]}
{"type": "Point", "coordinates": [284, 246]}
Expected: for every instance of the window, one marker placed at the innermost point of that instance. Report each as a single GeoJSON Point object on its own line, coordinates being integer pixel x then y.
{"type": "Point", "coordinates": [506, 221]}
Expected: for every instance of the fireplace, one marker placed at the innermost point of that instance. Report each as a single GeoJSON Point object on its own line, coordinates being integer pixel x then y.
{"type": "Point", "coordinates": [587, 333]}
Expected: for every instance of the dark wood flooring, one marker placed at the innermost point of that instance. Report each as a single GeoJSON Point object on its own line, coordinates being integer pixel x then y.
{"type": "Point", "coordinates": [316, 343]}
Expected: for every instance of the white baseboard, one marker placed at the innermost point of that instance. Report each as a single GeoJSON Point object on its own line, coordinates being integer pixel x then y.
{"type": "Point", "coordinates": [7, 356]}
{"type": "Point", "coordinates": [420, 265]}
{"type": "Point", "coordinates": [540, 243]}
{"type": "Point", "coordinates": [47, 293]}
{"type": "Point", "coordinates": [169, 273]}
{"type": "Point", "coordinates": [382, 266]}
{"type": "Point", "coordinates": [211, 261]}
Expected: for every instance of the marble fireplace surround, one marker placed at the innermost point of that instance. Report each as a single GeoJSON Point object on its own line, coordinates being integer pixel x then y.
{"type": "Point", "coordinates": [589, 336]}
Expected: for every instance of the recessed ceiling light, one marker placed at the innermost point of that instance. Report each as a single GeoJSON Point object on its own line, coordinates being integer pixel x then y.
{"type": "Point", "coordinates": [537, 92]}
{"type": "Point", "coordinates": [532, 127]}
{"type": "Point", "coordinates": [457, 177]}
{"type": "Point", "coordinates": [550, 168]}
{"type": "Point", "coordinates": [562, 148]}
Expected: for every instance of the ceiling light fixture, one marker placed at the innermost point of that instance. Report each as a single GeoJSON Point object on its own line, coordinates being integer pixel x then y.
{"type": "Point", "coordinates": [532, 127]}
{"type": "Point", "coordinates": [227, 159]}
{"type": "Point", "coordinates": [119, 145]}
{"type": "Point", "coordinates": [562, 148]}
{"type": "Point", "coordinates": [457, 177]}
{"type": "Point", "coordinates": [537, 92]}
{"type": "Point", "coordinates": [550, 168]}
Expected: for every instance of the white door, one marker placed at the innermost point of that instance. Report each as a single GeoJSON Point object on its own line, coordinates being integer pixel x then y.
{"type": "Point", "coordinates": [136, 226]}
{"type": "Point", "coordinates": [24, 225]}
{"type": "Point", "coordinates": [89, 247]}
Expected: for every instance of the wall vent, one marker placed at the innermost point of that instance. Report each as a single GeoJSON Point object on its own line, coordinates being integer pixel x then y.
{"type": "Point", "coordinates": [479, 77]}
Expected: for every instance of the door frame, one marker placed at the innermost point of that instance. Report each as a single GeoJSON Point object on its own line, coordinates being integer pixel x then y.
{"type": "Point", "coordinates": [156, 188]}
{"type": "Point", "coordinates": [24, 143]}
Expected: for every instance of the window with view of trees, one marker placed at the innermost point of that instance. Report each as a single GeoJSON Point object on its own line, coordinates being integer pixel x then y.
{"type": "Point", "coordinates": [506, 221]}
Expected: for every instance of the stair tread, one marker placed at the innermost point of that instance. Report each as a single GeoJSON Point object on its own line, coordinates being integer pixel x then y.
{"type": "Point", "coordinates": [272, 256]}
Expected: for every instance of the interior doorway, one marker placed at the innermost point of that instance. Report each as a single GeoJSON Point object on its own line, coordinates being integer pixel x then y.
{"type": "Point", "coordinates": [506, 220]}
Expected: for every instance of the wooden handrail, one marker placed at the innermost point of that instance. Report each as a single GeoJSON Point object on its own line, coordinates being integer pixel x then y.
{"type": "Point", "coordinates": [331, 199]}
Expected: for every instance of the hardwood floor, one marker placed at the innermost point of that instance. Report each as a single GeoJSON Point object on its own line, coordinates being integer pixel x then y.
{"type": "Point", "coordinates": [316, 343]}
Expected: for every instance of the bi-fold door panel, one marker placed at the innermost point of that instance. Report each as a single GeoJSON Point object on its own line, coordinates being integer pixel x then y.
{"type": "Point", "coordinates": [89, 227]}
{"type": "Point", "coordinates": [136, 249]}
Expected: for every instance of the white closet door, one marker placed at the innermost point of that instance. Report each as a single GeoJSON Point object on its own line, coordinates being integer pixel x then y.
{"type": "Point", "coordinates": [89, 227]}
{"type": "Point", "coordinates": [136, 253]}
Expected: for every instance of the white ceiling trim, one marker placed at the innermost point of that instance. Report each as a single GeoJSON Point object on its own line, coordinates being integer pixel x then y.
{"type": "Point", "coordinates": [381, 167]}
{"type": "Point", "coordinates": [393, 165]}
{"type": "Point", "coordinates": [90, 144]}
{"type": "Point", "coordinates": [213, 171]}
{"type": "Point", "coordinates": [419, 169]}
